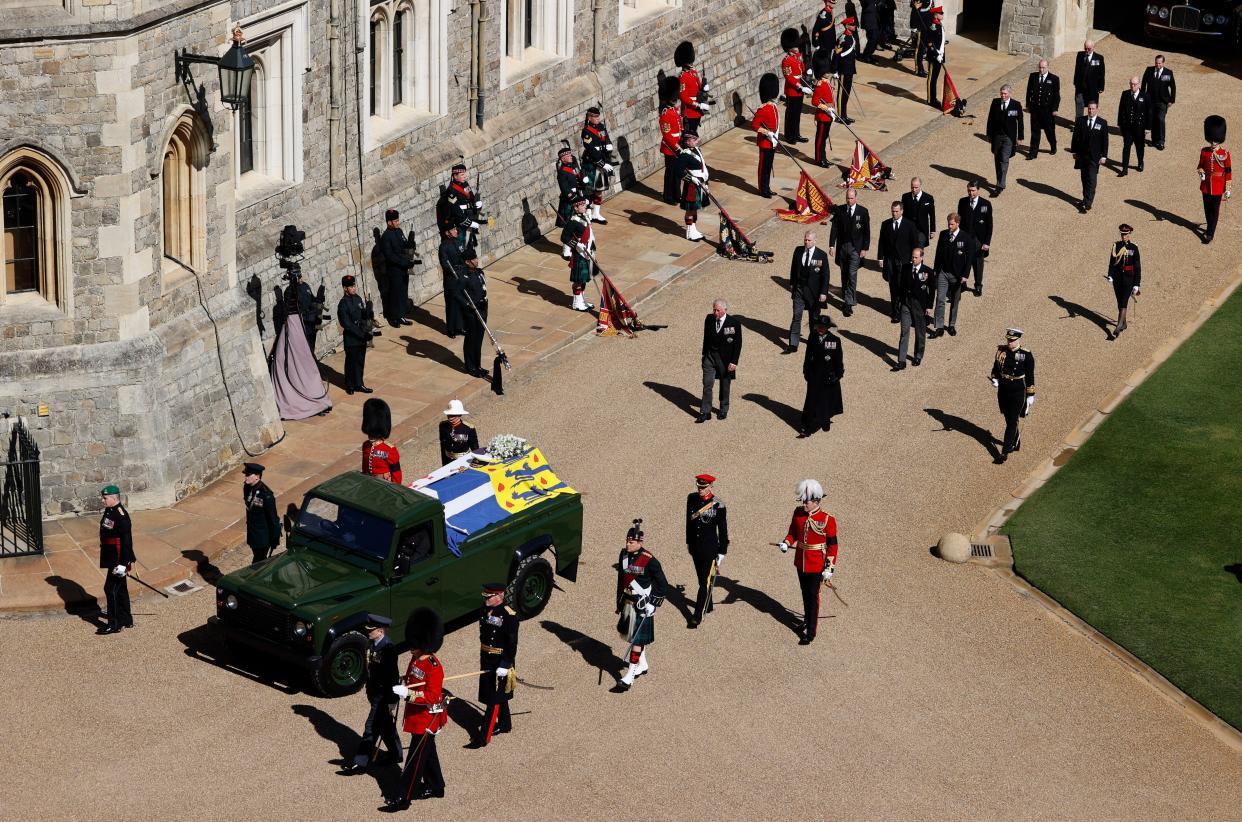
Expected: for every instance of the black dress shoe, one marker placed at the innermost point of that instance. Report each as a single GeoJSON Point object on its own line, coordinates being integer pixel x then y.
{"type": "Point", "coordinates": [349, 391]}
{"type": "Point", "coordinates": [365, 390]}
{"type": "Point", "coordinates": [901, 366]}
{"type": "Point", "coordinates": [107, 629]}
{"type": "Point", "coordinates": [1053, 151]}
{"type": "Point", "coordinates": [893, 320]}
{"type": "Point", "coordinates": [1000, 459]}
{"type": "Point", "coordinates": [917, 361]}
{"type": "Point", "coordinates": [404, 321]}
{"type": "Point", "coordinates": [789, 350]}
{"type": "Point", "coordinates": [952, 331]}
{"type": "Point", "coordinates": [978, 291]}
{"type": "Point", "coordinates": [702, 418]}
{"type": "Point", "coordinates": [849, 121]}
{"type": "Point", "coordinates": [722, 415]}
{"type": "Point", "coordinates": [1139, 167]}
{"type": "Point", "coordinates": [847, 311]}
{"type": "Point", "coordinates": [429, 793]}
{"type": "Point", "coordinates": [692, 624]}
{"type": "Point", "coordinates": [1123, 173]}
{"type": "Point", "coordinates": [1159, 146]}
{"type": "Point", "coordinates": [395, 806]}
{"type": "Point", "coordinates": [998, 192]}
{"type": "Point", "coordinates": [804, 641]}
{"type": "Point", "coordinates": [1031, 156]}
{"type": "Point", "coordinates": [619, 688]}
{"type": "Point", "coordinates": [920, 73]}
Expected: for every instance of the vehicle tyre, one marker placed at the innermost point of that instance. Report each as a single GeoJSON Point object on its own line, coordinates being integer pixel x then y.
{"type": "Point", "coordinates": [344, 667]}
{"type": "Point", "coordinates": [530, 588]}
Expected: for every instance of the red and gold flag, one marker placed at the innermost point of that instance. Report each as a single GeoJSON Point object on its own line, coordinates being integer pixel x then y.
{"type": "Point", "coordinates": [615, 315]}
{"type": "Point", "coordinates": [949, 95]}
{"type": "Point", "coordinates": [811, 204]}
{"type": "Point", "coordinates": [867, 171]}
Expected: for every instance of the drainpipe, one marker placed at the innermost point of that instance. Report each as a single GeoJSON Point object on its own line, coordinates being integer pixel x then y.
{"type": "Point", "coordinates": [472, 94]}
{"type": "Point", "coordinates": [597, 25]}
{"type": "Point", "coordinates": [480, 56]}
{"type": "Point", "coordinates": [334, 94]}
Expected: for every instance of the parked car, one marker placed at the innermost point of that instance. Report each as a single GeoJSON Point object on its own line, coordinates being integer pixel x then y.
{"type": "Point", "coordinates": [1204, 21]}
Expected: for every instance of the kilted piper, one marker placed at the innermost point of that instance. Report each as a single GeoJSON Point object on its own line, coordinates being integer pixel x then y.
{"type": "Point", "coordinates": [641, 587]}
{"type": "Point", "coordinates": [578, 236]}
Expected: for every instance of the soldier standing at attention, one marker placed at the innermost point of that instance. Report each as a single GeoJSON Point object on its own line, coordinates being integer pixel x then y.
{"type": "Point", "coordinates": [844, 67]}
{"type": "Point", "coordinates": [382, 675]}
{"type": "Point", "coordinates": [473, 299]}
{"type": "Point", "coordinates": [380, 458]}
{"type": "Point", "coordinates": [578, 236]}
{"type": "Point", "coordinates": [670, 139]}
{"type": "Point", "coordinates": [1133, 113]}
{"type": "Point", "coordinates": [693, 170]}
{"type": "Point", "coordinates": [116, 554]}
{"type": "Point", "coordinates": [935, 43]}
{"type": "Point", "coordinates": [824, 29]}
{"type": "Point", "coordinates": [1215, 172]}
{"type": "Point", "coordinates": [1043, 98]}
{"type": "Point", "coordinates": [262, 521]}
{"type": "Point", "coordinates": [498, 639]}
{"type": "Point", "coordinates": [918, 32]}
{"type": "Point", "coordinates": [425, 715]}
{"type": "Point", "coordinates": [1125, 272]}
{"type": "Point", "coordinates": [451, 264]}
{"type": "Point", "coordinates": [1013, 376]}
{"type": "Point", "coordinates": [765, 124]}
{"type": "Point", "coordinates": [596, 161]}
{"type": "Point", "coordinates": [822, 102]}
{"type": "Point", "coordinates": [356, 333]}
{"type": "Point", "coordinates": [572, 185]}
{"type": "Point", "coordinates": [707, 540]}
{"type": "Point", "coordinates": [792, 69]}
{"type": "Point", "coordinates": [457, 437]}
{"type": "Point", "coordinates": [689, 88]}
{"type": "Point", "coordinates": [813, 536]}
{"type": "Point", "coordinates": [460, 206]}
{"type": "Point", "coordinates": [397, 265]}
{"type": "Point", "coordinates": [641, 587]}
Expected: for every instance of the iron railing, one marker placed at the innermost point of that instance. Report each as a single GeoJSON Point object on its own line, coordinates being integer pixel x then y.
{"type": "Point", "coordinates": [21, 498]}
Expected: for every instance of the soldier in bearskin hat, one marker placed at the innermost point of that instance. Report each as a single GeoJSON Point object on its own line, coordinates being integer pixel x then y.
{"type": "Point", "coordinates": [822, 102]}
{"type": "Point", "coordinates": [641, 587]}
{"type": "Point", "coordinates": [425, 711]}
{"type": "Point", "coordinates": [793, 69]}
{"type": "Point", "coordinates": [1215, 173]}
{"type": "Point", "coordinates": [765, 123]}
{"type": "Point", "coordinates": [691, 88]}
{"type": "Point", "coordinates": [596, 160]}
{"type": "Point", "coordinates": [380, 458]}
{"type": "Point", "coordinates": [670, 138]}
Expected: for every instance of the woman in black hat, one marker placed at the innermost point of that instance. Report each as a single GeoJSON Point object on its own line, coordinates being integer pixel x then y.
{"type": "Point", "coordinates": [262, 521]}
{"type": "Point", "coordinates": [1125, 272]}
{"type": "Point", "coordinates": [822, 368]}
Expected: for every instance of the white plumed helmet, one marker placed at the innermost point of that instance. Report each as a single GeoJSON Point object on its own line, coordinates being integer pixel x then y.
{"type": "Point", "coordinates": [810, 489]}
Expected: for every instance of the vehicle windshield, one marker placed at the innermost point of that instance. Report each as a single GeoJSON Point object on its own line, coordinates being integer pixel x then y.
{"type": "Point", "coordinates": [355, 531]}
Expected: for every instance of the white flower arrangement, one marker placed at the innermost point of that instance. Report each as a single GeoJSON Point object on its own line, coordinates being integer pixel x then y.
{"type": "Point", "coordinates": [504, 447]}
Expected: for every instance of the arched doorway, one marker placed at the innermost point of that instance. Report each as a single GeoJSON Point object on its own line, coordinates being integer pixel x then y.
{"type": "Point", "coordinates": [980, 21]}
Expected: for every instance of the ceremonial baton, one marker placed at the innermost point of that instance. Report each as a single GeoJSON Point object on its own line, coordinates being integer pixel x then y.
{"type": "Point", "coordinates": [134, 577]}
{"type": "Point", "coordinates": [711, 583]}
{"type": "Point", "coordinates": [451, 678]}
{"type": "Point", "coordinates": [833, 588]}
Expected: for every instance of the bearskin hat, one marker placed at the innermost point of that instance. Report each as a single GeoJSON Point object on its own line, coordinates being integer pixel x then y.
{"type": "Point", "coordinates": [376, 419]}
{"type": "Point", "coordinates": [769, 87]}
{"type": "Point", "coordinates": [670, 89]}
{"type": "Point", "coordinates": [821, 63]}
{"type": "Point", "coordinates": [789, 39]}
{"type": "Point", "coordinates": [1214, 128]}
{"type": "Point", "coordinates": [424, 630]}
{"type": "Point", "coordinates": [683, 55]}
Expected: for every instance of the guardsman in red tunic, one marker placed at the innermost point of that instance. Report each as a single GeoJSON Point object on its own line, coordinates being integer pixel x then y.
{"type": "Point", "coordinates": [670, 139]}
{"type": "Point", "coordinates": [116, 554]}
{"type": "Point", "coordinates": [765, 123]}
{"type": "Point", "coordinates": [822, 102]}
{"type": "Point", "coordinates": [1215, 173]}
{"type": "Point", "coordinates": [689, 87]}
{"type": "Point", "coordinates": [792, 69]}
{"type": "Point", "coordinates": [425, 711]}
{"type": "Point", "coordinates": [813, 536]}
{"type": "Point", "coordinates": [380, 458]}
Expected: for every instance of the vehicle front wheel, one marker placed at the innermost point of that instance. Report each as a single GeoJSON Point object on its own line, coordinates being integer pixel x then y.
{"type": "Point", "coordinates": [344, 666]}
{"type": "Point", "coordinates": [531, 586]}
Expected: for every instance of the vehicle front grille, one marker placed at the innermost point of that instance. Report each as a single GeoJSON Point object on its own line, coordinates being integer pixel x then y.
{"type": "Point", "coordinates": [261, 618]}
{"type": "Point", "coordinates": [1184, 17]}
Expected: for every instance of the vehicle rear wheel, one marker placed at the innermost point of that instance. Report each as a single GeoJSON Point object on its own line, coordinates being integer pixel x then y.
{"type": "Point", "coordinates": [531, 587]}
{"type": "Point", "coordinates": [344, 666]}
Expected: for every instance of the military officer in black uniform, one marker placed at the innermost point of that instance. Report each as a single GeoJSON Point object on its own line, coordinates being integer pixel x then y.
{"type": "Point", "coordinates": [473, 290]}
{"type": "Point", "coordinates": [1125, 272]}
{"type": "Point", "coordinates": [844, 56]}
{"type": "Point", "coordinates": [262, 521]}
{"type": "Point", "coordinates": [822, 369]}
{"type": "Point", "coordinates": [916, 293]}
{"type": "Point", "coordinates": [1133, 114]}
{"type": "Point", "coordinates": [356, 333]}
{"type": "Point", "coordinates": [1043, 98]}
{"type": "Point", "coordinates": [707, 540]}
{"type": "Point", "coordinates": [824, 29]}
{"type": "Point", "coordinates": [382, 675]}
{"type": "Point", "coordinates": [116, 554]}
{"type": "Point", "coordinates": [722, 346]}
{"type": "Point", "coordinates": [460, 206]}
{"type": "Point", "coordinates": [397, 264]}
{"type": "Point", "coordinates": [498, 639]}
{"type": "Point", "coordinates": [1013, 376]}
{"type": "Point", "coordinates": [451, 263]}
{"type": "Point", "coordinates": [457, 437]}
{"type": "Point", "coordinates": [935, 45]}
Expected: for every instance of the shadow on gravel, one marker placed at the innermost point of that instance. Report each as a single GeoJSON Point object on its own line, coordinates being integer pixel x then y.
{"type": "Point", "coordinates": [1163, 216]}
{"type": "Point", "coordinates": [677, 395]}
{"type": "Point", "coordinates": [959, 173]}
{"type": "Point", "coordinates": [77, 601]}
{"type": "Point", "coordinates": [761, 602]}
{"type": "Point", "coordinates": [1073, 309]}
{"type": "Point", "coordinates": [205, 644]}
{"type": "Point", "coordinates": [886, 352]}
{"type": "Point", "coordinates": [346, 739]}
{"type": "Point", "coordinates": [595, 653]}
{"type": "Point", "coordinates": [676, 596]}
{"type": "Point", "coordinates": [544, 291]}
{"type": "Point", "coordinates": [777, 336]}
{"type": "Point", "coordinates": [1044, 188]}
{"type": "Point", "coordinates": [785, 413]}
{"type": "Point", "coordinates": [951, 422]}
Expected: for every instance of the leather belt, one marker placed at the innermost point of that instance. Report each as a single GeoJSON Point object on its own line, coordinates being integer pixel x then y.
{"type": "Point", "coordinates": [1012, 379]}
{"type": "Point", "coordinates": [488, 649]}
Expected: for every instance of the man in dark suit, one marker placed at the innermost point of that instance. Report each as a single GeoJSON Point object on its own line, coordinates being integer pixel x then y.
{"type": "Point", "coordinates": [1043, 98]}
{"type": "Point", "coordinates": [382, 674]}
{"type": "Point", "coordinates": [898, 237]}
{"type": "Point", "coordinates": [919, 207]}
{"type": "Point", "coordinates": [1090, 149]}
{"type": "Point", "coordinates": [1161, 91]}
{"type": "Point", "coordinates": [808, 280]}
{"type": "Point", "coordinates": [1005, 130]}
{"type": "Point", "coordinates": [955, 253]}
{"type": "Point", "coordinates": [848, 242]}
{"type": "Point", "coordinates": [976, 213]}
{"type": "Point", "coordinates": [916, 294]}
{"type": "Point", "coordinates": [1133, 114]}
{"type": "Point", "coordinates": [722, 345]}
{"type": "Point", "coordinates": [1088, 77]}
{"type": "Point", "coordinates": [397, 265]}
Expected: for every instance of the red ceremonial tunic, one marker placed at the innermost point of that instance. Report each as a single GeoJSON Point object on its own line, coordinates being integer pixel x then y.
{"type": "Point", "coordinates": [793, 67]}
{"type": "Point", "coordinates": [814, 538]}
{"type": "Point", "coordinates": [766, 117]}
{"type": "Point", "coordinates": [689, 94]}
{"type": "Point", "coordinates": [381, 459]}
{"type": "Point", "coordinates": [418, 716]}
{"type": "Point", "coordinates": [1216, 168]}
{"type": "Point", "coordinates": [670, 132]}
{"type": "Point", "coordinates": [822, 97]}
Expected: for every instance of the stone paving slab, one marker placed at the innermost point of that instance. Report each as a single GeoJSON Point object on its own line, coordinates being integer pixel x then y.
{"type": "Point", "coordinates": [417, 370]}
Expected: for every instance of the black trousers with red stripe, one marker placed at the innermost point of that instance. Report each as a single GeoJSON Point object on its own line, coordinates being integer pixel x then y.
{"type": "Point", "coordinates": [496, 720]}
{"type": "Point", "coordinates": [809, 583]}
{"type": "Point", "coordinates": [821, 142]}
{"type": "Point", "coordinates": [422, 768]}
{"type": "Point", "coordinates": [766, 156]}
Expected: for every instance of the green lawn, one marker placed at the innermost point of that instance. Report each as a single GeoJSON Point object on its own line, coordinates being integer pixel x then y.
{"type": "Point", "coordinates": [1135, 533]}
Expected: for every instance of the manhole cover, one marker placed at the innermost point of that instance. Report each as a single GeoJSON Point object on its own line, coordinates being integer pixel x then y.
{"type": "Point", "coordinates": [182, 588]}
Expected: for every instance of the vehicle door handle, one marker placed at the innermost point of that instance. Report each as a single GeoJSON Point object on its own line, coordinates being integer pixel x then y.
{"type": "Point", "coordinates": [433, 581]}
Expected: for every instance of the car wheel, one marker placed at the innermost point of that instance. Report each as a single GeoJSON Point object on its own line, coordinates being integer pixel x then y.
{"type": "Point", "coordinates": [344, 667]}
{"type": "Point", "coordinates": [530, 588]}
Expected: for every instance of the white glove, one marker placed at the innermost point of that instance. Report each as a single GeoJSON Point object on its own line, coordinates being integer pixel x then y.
{"type": "Point", "coordinates": [401, 691]}
{"type": "Point", "coordinates": [827, 574]}
{"type": "Point", "coordinates": [805, 90]}
{"type": "Point", "coordinates": [1228, 193]}
{"type": "Point", "coordinates": [784, 547]}
{"type": "Point", "coordinates": [719, 560]}
{"type": "Point", "coordinates": [502, 672]}
{"type": "Point", "coordinates": [835, 76]}
{"type": "Point", "coordinates": [608, 147]}
{"type": "Point", "coordinates": [1202, 175]}
{"type": "Point", "coordinates": [705, 106]}
{"type": "Point", "coordinates": [119, 570]}
{"type": "Point", "coordinates": [478, 204]}
{"type": "Point", "coordinates": [581, 248]}
{"type": "Point", "coordinates": [1136, 289]}
{"type": "Point", "coordinates": [648, 609]}
{"type": "Point", "coordinates": [995, 383]}
{"type": "Point", "coordinates": [775, 140]}
{"type": "Point", "coordinates": [474, 226]}
{"type": "Point", "coordinates": [1108, 277]}
{"type": "Point", "coordinates": [1030, 402]}
{"type": "Point", "coordinates": [707, 86]}
{"type": "Point", "coordinates": [608, 167]}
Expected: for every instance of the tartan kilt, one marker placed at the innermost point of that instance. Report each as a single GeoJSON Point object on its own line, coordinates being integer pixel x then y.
{"type": "Point", "coordinates": [594, 177]}
{"type": "Point", "coordinates": [579, 269]}
{"type": "Point", "coordinates": [693, 197]}
{"type": "Point", "coordinates": [564, 211]}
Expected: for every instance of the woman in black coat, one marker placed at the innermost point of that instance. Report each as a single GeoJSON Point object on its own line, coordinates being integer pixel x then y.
{"type": "Point", "coordinates": [822, 369]}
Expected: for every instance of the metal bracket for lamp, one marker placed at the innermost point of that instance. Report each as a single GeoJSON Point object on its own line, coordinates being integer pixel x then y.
{"type": "Point", "coordinates": [236, 69]}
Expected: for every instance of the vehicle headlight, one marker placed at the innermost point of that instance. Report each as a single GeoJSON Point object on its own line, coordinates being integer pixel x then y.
{"type": "Point", "coordinates": [1153, 9]}
{"type": "Point", "coordinates": [230, 602]}
{"type": "Point", "coordinates": [300, 629]}
{"type": "Point", "coordinates": [1207, 19]}
{"type": "Point", "coordinates": [1164, 13]}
